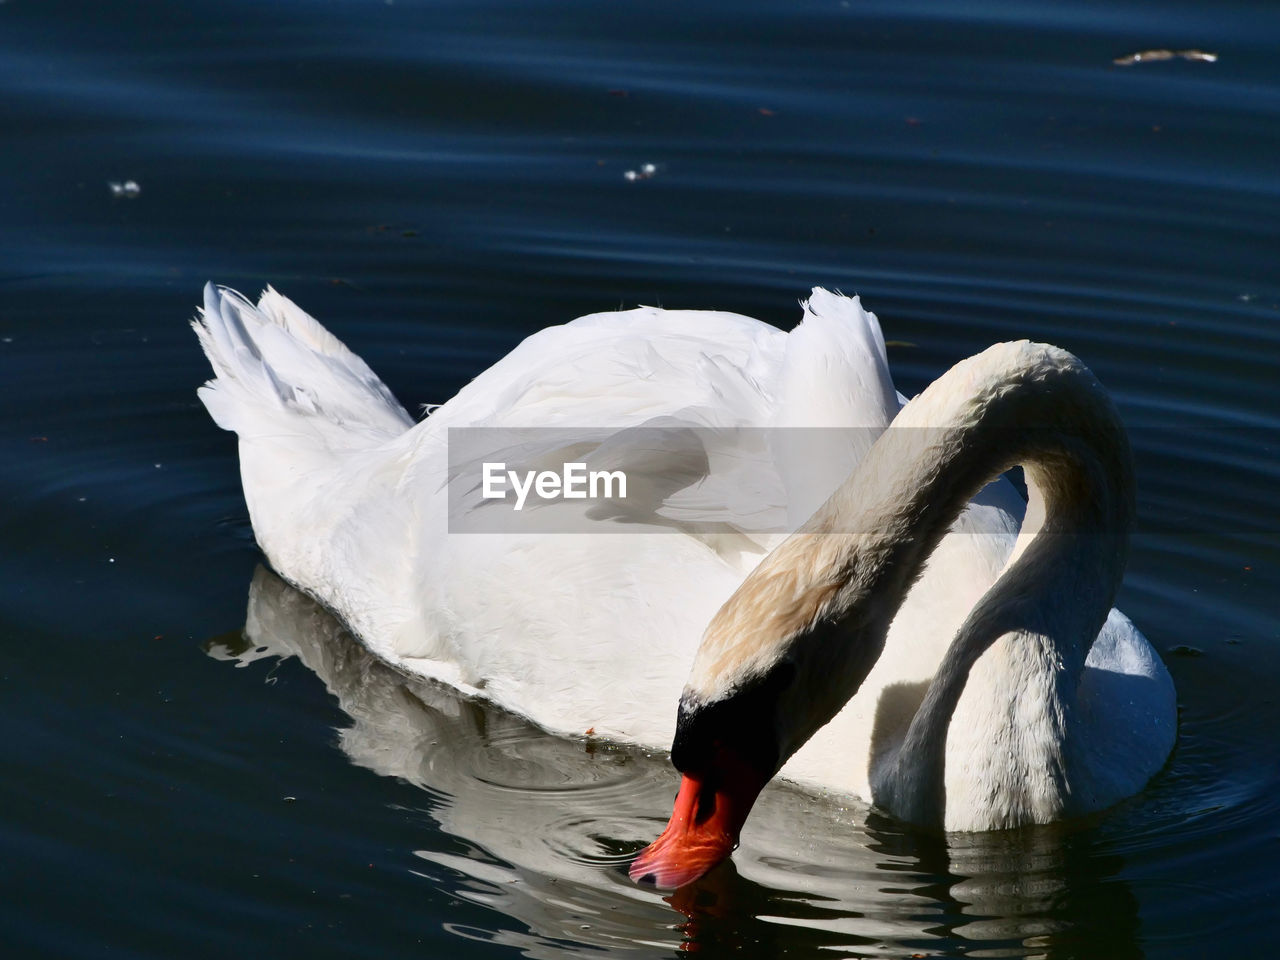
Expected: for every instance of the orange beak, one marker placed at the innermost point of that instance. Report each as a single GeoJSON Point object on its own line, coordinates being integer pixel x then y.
{"type": "Point", "coordinates": [704, 828]}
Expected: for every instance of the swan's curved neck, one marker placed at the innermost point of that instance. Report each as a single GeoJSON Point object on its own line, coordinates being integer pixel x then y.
{"type": "Point", "coordinates": [1014, 404]}
{"type": "Point", "coordinates": [819, 607]}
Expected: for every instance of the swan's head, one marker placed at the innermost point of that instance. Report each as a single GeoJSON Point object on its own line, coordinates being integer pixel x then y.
{"type": "Point", "coordinates": [726, 751]}
{"type": "Point", "coordinates": [777, 662]}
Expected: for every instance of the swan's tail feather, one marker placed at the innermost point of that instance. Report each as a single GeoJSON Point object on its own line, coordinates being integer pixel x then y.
{"type": "Point", "coordinates": [277, 372]}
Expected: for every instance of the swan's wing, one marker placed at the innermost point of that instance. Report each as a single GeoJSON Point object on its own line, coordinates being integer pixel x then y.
{"type": "Point", "coordinates": [603, 390]}
{"type": "Point", "coordinates": [835, 397]}
{"type": "Point", "coordinates": [1129, 710]}
{"type": "Point", "coordinates": [835, 372]}
{"type": "Point", "coordinates": [780, 419]}
{"type": "Point", "coordinates": [619, 369]}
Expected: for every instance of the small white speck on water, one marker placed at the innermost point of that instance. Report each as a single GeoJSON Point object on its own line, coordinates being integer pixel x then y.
{"type": "Point", "coordinates": [646, 171]}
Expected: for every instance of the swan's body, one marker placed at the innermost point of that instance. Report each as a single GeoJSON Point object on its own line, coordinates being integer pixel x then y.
{"type": "Point", "coordinates": [598, 629]}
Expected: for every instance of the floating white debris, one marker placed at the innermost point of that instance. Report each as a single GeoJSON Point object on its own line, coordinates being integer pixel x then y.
{"type": "Point", "coordinates": [1151, 56]}
{"type": "Point", "coordinates": [129, 188]}
{"type": "Point", "coordinates": [645, 172]}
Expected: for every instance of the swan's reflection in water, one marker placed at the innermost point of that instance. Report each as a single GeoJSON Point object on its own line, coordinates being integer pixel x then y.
{"type": "Point", "coordinates": [546, 826]}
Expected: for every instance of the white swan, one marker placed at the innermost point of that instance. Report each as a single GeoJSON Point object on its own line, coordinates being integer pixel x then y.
{"type": "Point", "coordinates": [1025, 717]}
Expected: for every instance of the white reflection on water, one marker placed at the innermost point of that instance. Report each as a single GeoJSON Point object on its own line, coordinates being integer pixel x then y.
{"type": "Point", "coordinates": [549, 824]}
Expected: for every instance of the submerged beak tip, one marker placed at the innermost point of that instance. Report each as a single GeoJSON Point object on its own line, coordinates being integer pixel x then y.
{"type": "Point", "coordinates": [662, 876]}
{"type": "Point", "coordinates": [691, 846]}
{"type": "Point", "coordinates": [659, 866]}
{"type": "Point", "coordinates": [672, 862]}
{"type": "Point", "coordinates": [646, 875]}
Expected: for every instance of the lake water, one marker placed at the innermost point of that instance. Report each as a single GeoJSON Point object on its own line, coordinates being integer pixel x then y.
{"type": "Point", "coordinates": [435, 180]}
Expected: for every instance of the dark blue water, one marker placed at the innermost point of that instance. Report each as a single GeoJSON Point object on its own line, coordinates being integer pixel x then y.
{"type": "Point", "coordinates": [435, 180]}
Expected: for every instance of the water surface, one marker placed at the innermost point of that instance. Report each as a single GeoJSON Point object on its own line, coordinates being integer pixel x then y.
{"type": "Point", "coordinates": [436, 180]}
